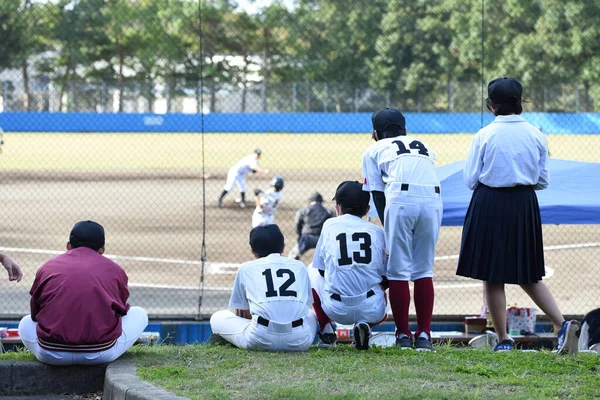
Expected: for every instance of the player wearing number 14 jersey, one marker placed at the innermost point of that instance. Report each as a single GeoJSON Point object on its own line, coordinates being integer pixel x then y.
{"type": "Point", "coordinates": [348, 268]}
{"type": "Point", "coordinates": [271, 298]}
{"type": "Point", "coordinates": [399, 171]}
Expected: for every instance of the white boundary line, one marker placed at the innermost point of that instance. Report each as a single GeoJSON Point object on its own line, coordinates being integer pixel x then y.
{"type": "Point", "coordinates": [231, 268]}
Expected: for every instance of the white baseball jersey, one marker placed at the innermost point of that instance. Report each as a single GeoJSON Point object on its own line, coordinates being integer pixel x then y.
{"type": "Point", "coordinates": [264, 213]}
{"type": "Point", "coordinates": [403, 168]}
{"type": "Point", "coordinates": [237, 173]}
{"type": "Point", "coordinates": [351, 251]}
{"type": "Point", "coordinates": [245, 165]}
{"type": "Point", "coordinates": [274, 287]}
{"type": "Point", "coordinates": [398, 159]}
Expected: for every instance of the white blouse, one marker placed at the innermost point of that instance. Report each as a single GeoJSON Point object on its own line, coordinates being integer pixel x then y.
{"type": "Point", "coordinates": [506, 153]}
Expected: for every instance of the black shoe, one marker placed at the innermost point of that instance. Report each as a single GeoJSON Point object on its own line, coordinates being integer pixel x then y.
{"type": "Point", "coordinates": [404, 342]}
{"type": "Point", "coordinates": [220, 203]}
{"type": "Point", "coordinates": [327, 339]}
{"type": "Point", "coordinates": [217, 340]}
{"type": "Point", "coordinates": [361, 336]}
{"type": "Point", "coordinates": [423, 344]}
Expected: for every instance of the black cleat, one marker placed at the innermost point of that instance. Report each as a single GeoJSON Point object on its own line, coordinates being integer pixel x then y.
{"type": "Point", "coordinates": [423, 344]}
{"type": "Point", "coordinates": [327, 339]}
{"type": "Point", "coordinates": [361, 336]}
{"type": "Point", "coordinates": [404, 342]}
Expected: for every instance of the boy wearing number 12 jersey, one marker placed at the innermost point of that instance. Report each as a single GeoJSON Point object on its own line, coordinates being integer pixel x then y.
{"type": "Point", "coordinates": [348, 269]}
{"type": "Point", "coordinates": [270, 299]}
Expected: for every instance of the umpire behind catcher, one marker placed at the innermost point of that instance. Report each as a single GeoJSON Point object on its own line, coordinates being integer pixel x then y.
{"type": "Point", "coordinates": [309, 222]}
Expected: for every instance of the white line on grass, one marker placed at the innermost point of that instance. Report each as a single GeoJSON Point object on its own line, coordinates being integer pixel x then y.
{"type": "Point", "coordinates": [231, 268]}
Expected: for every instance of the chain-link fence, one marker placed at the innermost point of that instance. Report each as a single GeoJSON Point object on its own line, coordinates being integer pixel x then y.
{"type": "Point", "coordinates": [131, 112]}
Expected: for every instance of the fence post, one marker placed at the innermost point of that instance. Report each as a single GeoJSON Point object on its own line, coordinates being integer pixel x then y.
{"type": "Point", "coordinates": [450, 96]}
{"type": "Point", "coordinates": [2, 96]}
{"type": "Point", "coordinates": [294, 94]}
{"type": "Point", "coordinates": [325, 96]}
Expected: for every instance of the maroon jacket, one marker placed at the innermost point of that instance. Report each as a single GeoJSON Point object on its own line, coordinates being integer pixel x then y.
{"type": "Point", "coordinates": [78, 298]}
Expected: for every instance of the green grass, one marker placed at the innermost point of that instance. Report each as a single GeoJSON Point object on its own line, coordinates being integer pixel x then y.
{"type": "Point", "coordinates": [20, 354]}
{"type": "Point", "coordinates": [216, 372]}
{"type": "Point", "coordinates": [114, 151]}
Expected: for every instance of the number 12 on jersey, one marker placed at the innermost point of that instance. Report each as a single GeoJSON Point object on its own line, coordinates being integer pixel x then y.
{"type": "Point", "coordinates": [283, 289]}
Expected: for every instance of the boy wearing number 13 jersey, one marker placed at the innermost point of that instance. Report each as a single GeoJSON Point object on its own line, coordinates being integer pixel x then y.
{"type": "Point", "coordinates": [348, 268]}
{"type": "Point", "coordinates": [271, 298]}
{"type": "Point", "coordinates": [399, 171]}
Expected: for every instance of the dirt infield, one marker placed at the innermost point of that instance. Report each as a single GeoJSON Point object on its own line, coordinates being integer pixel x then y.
{"type": "Point", "coordinates": [154, 222]}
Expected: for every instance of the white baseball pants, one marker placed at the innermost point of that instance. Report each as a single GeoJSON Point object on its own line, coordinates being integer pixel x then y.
{"type": "Point", "coordinates": [133, 325]}
{"type": "Point", "coordinates": [412, 227]}
{"type": "Point", "coordinates": [248, 334]}
{"type": "Point", "coordinates": [349, 310]}
{"type": "Point", "coordinates": [233, 178]}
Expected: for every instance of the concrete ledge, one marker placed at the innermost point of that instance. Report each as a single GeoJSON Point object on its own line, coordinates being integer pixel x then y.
{"type": "Point", "coordinates": [32, 377]}
{"type": "Point", "coordinates": [122, 383]}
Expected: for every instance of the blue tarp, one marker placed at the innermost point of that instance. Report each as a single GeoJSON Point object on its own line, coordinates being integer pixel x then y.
{"type": "Point", "coordinates": [572, 197]}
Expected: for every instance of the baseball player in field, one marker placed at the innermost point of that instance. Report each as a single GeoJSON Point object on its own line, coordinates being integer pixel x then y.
{"type": "Point", "coordinates": [270, 299]}
{"type": "Point", "coordinates": [309, 222]}
{"type": "Point", "coordinates": [348, 269]}
{"type": "Point", "coordinates": [399, 172]}
{"type": "Point", "coordinates": [267, 203]}
{"type": "Point", "coordinates": [237, 176]}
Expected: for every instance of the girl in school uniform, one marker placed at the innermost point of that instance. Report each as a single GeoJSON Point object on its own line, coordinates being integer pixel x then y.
{"type": "Point", "coordinates": [502, 233]}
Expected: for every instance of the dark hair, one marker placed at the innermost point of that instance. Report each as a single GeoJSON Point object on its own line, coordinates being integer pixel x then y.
{"type": "Point", "coordinates": [509, 108]}
{"type": "Point", "coordinates": [266, 239]}
{"type": "Point", "coordinates": [357, 211]}
{"type": "Point", "coordinates": [88, 234]}
{"type": "Point", "coordinates": [392, 133]}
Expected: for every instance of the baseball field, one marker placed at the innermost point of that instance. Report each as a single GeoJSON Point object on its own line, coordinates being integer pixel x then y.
{"type": "Point", "coordinates": [156, 195]}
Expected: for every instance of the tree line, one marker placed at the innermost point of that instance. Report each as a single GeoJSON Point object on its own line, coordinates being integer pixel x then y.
{"type": "Point", "coordinates": [421, 55]}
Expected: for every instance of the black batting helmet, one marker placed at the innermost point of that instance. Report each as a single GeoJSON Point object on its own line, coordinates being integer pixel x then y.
{"type": "Point", "coordinates": [277, 183]}
{"type": "Point", "coordinates": [316, 196]}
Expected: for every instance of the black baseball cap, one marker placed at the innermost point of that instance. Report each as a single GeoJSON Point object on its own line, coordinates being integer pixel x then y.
{"type": "Point", "coordinates": [316, 196]}
{"type": "Point", "coordinates": [258, 151]}
{"type": "Point", "coordinates": [266, 239]}
{"type": "Point", "coordinates": [349, 194]}
{"type": "Point", "coordinates": [87, 234]}
{"type": "Point", "coordinates": [388, 119]}
{"type": "Point", "coordinates": [505, 90]}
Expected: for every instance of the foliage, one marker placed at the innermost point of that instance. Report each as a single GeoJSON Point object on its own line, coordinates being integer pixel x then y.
{"type": "Point", "coordinates": [410, 53]}
{"type": "Point", "coordinates": [205, 371]}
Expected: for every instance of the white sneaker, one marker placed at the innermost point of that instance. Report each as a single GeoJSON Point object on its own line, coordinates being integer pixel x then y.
{"type": "Point", "coordinates": [488, 339]}
{"type": "Point", "coordinates": [568, 337]}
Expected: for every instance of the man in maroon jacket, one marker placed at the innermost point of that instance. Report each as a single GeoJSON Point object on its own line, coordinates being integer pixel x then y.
{"type": "Point", "coordinates": [79, 310]}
